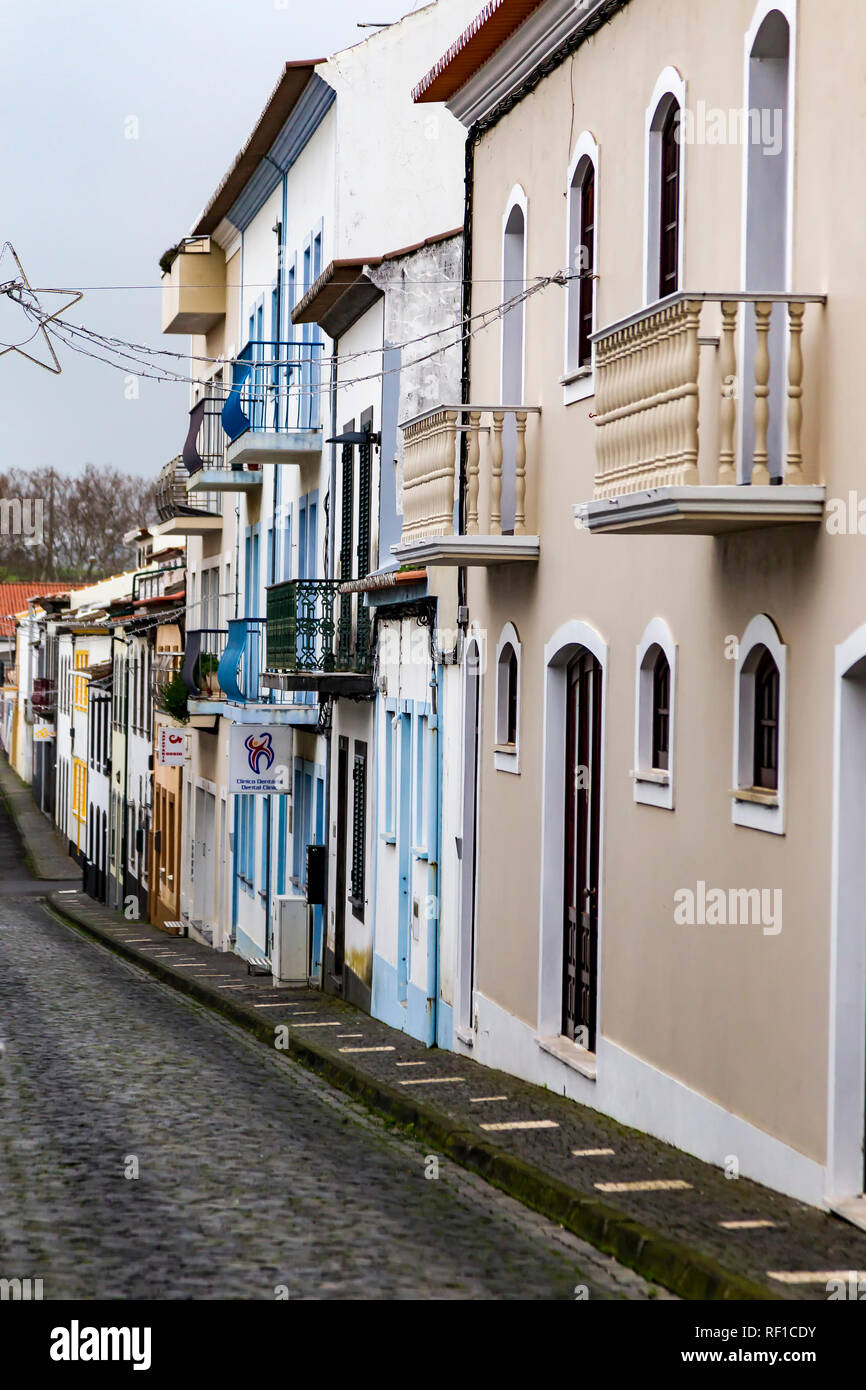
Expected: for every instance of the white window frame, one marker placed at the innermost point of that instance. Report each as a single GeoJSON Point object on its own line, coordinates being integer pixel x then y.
{"type": "Point", "coordinates": [750, 808]}
{"type": "Point", "coordinates": [670, 84]}
{"type": "Point", "coordinates": [578, 383]}
{"type": "Point", "coordinates": [653, 786]}
{"type": "Point", "coordinates": [506, 756]}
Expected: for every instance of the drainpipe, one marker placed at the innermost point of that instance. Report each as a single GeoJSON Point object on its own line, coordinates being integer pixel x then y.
{"type": "Point", "coordinates": [121, 867]}
{"type": "Point", "coordinates": [332, 482]}
{"type": "Point", "coordinates": [436, 740]}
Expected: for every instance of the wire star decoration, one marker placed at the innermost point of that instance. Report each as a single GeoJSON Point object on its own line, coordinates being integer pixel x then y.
{"type": "Point", "coordinates": [19, 291]}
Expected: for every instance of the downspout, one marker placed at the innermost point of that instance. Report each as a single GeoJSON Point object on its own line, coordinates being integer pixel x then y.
{"type": "Point", "coordinates": [469, 178]}
{"type": "Point", "coordinates": [435, 886]}
{"type": "Point", "coordinates": [121, 868]}
{"type": "Point", "coordinates": [332, 481]}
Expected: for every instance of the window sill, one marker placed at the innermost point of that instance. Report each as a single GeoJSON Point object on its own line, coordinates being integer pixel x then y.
{"type": "Point", "coordinates": [506, 758]}
{"type": "Point", "coordinates": [573, 1056]}
{"type": "Point", "coordinates": [465, 1036]}
{"type": "Point", "coordinates": [577, 386]}
{"type": "Point", "coordinates": [756, 796]}
{"type": "Point", "coordinates": [388, 837]}
{"type": "Point", "coordinates": [657, 775]}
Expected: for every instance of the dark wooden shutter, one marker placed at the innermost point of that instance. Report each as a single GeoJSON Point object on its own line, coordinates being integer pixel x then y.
{"type": "Point", "coordinates": [359, 828]}
{"type": "Point", "coordinates": [347, 516]}
{"type": "Point", "coordinates": [669, 242]}
{"type": "Point", "coordinates": [511, 715]}
{"type": "Point", "coordinates": [365, 487]}
{"type": "Point", "coordinates": [587, 267]}
{"type": "Point", "coordinates": [661, 712]}
{"type": "Point", "coordinates": [766, 744]}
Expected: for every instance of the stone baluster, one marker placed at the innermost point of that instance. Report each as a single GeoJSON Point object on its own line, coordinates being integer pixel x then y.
{"type": "Point", "coordinates": [520, 474]}
{"type": "Point", "coordinates": [473, 453]}
{"type": "Point", "coordinates": [691, 413]}
{"type": "Point", "coordinates": [760, 456]}
{"type": "Point", "coordinates": [728, 409]}
{"type": "Point", "coordinates": [496, 475]}
{"type": "Point", "coordinates": [794, 459]}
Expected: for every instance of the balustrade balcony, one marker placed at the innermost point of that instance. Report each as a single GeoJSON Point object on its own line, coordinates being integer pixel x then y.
{"type": "Point", "coordinates": [700, 416]}
{"type": "Point", "coordinates": [317, 638]}
{"type": "Point", "coordinates": [498, 461]}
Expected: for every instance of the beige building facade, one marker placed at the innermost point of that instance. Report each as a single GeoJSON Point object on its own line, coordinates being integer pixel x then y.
{"type": "Point", "coordinates": [668, 918]}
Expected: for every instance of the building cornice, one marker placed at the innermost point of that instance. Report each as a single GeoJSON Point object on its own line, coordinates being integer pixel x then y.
{"type": "Point", "coordinates": [541, 43]}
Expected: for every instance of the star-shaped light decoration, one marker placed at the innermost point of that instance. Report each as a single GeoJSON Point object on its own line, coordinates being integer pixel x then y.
{"type": "Point", "coordinates": [18, 291]}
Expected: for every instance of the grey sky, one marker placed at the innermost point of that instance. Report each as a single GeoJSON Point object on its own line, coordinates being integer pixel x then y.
{"type": "Point", "coordinates": [85, 206]}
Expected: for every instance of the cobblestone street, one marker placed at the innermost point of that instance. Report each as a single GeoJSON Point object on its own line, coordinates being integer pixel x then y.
{"type": "Point", "coordinates": [251, 1173]}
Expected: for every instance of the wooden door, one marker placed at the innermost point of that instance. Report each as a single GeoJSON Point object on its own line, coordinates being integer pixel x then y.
{"type": "Point", "coordinates": [582, 800]}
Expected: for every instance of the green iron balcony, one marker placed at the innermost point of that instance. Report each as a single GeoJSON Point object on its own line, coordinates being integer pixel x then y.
{"type": "Point", "coordinates": [317, 639]}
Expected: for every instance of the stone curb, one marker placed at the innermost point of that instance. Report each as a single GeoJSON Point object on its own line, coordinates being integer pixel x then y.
{"type": "Point", "coordinates": [656, 1257]}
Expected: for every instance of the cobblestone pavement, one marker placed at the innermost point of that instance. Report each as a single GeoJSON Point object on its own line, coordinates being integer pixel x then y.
{"type": "Point", "coordinates": [252, 1174]}
{"type": "Point", "coordinates": [666, 1214]}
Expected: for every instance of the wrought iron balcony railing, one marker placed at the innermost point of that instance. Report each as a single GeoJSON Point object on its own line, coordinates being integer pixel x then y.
{"type": "Point", "coordinates": [205, 443]}
{"type": "Point", "coordinates": [275, 388]}
{"type": "Point", "coordinates": [173, 500]}
{"type": "Point", "coordinates": [165, 677]}
{"type": "Point", "coordinates": [313, 629]}
{"type": "Point", "coordinates": [201, 659]}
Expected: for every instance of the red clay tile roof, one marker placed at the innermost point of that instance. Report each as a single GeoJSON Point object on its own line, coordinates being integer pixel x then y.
{"type": "Point", "coordinates": [14, 597]}
{"type": "Point", "coordinates": [489, 29]}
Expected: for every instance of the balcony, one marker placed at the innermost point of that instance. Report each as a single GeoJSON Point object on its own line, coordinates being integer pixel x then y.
{"type": "Point", "coordinates": [271, 414]}
{"type": "Point", "coordinates": [496, 483]}
{"type": "Point", "coordinates": [166, 683]}
{"type": "Point", "coordinates": [204, 454]}
{"type": "Point", "coordinates": [240, 668]}
{"type": "Point", "coordinates": [317, 639]}
{"type": "Point", "coordinates": [194, 288]}
{"type": "Point", "coordinates": [179, 514]}
{"type": "Point", "coordinates": [202, 654]}
{"type": "Point", "coordinates": [44, 697]}
{"type": "Point", "coordinates": [688, 442]}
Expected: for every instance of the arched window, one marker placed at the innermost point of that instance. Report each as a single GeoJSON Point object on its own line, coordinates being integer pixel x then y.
{"type": "Point", "coordinates": [661, 712]}
{"type": "Point", "coordinates": [582, 261]}
{"type": "Point", "coordinates": [513, 284]}
{"type": "Point", "coordinates": [766, 741]}
{"type": "Point", "coordinates": [758, 798]}
{"type": "Point", "coordinates": [655, 712]}
{"type": "Point", "coordinates": [507, 700]}
{"type": "Point", "coordinates": [669, 203]}
{"type": "Point", "coordinates": [666, 131]}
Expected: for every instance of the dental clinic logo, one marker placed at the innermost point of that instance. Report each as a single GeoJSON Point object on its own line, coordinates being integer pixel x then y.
{"type": "Point", "coordinates": [259, 752]}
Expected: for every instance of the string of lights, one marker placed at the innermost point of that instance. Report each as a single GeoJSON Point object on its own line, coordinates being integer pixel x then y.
{"type": "Point", "coordinates": [127, 357]}
{"type": "Point", "coordinates": [109, 341]}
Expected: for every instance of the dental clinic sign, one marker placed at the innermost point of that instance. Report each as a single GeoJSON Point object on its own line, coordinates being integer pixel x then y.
{"type": "Point", "coordinates": [259, 759]}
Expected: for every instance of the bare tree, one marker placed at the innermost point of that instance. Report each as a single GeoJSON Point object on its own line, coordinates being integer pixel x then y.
{"type": "Point", "coordinates": [57, 526]}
